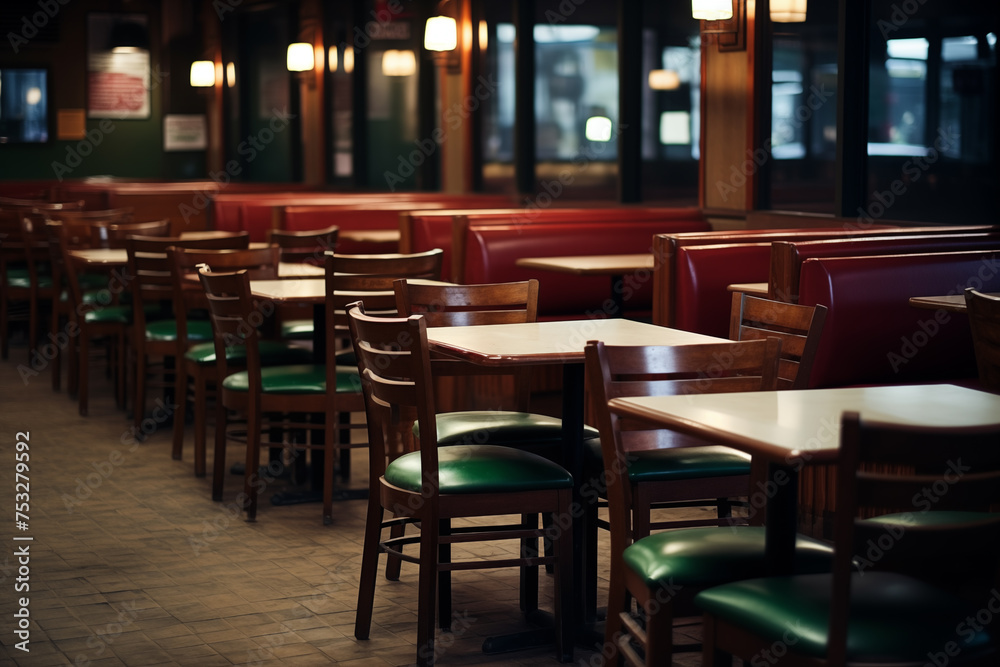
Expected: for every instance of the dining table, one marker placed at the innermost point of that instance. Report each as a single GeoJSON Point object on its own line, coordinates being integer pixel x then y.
{"type": "Point", "coordinates": [952, 303]}
{"type": "Point", "coordinates": [559, 343]}
{"type": "Point", "coordinates": [795, 428]}
{"type": "Point", "coordinates": [616, 266]}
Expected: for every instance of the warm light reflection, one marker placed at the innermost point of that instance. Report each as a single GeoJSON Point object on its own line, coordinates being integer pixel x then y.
{"type": "Point", "coordinates": [332, 58]}
{"type": "Point", "coordinates": [788, 11]}
{"type": "Point", "coordinates": [231, 74]}
{"type": "Point", "coordinates": [33, 96]}
{"type": "Point", "coordinates": [348, 59]}
{"type": "Point", "coordinates": [664, 79]}
{"type": "Point", "coordinates": [484, 35]}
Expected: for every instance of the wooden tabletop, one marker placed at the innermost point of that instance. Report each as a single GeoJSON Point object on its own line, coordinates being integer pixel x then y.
{"type": "Point", "coordinates": [585, 265]}
{"type": "Point", "coordinates": [102, 256]}
{"type": "Point", "coordinates": [370, 235]}
{"type": "Point", "coordinates": [954, 303]}
{"type": "Point", "coordinates": [307, 290]}
{"type": "Point", "coordinates": [787, 427]}
{"type": "Point", "coordinates": [550, 342]}
{"type": "Point", "coordinates": [753, 289]}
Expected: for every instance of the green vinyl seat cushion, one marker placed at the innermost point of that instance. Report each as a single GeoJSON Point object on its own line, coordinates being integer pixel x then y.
{"type": "Point", "coordinates": [109, 315]}
{"type": "Point", "coordinates": [499, 427]}
{"type": "Point", "coordinates": [24, 281]}
{"type": "Point", "coordinates": [892, 617]}
{"type": "Point", "coordinates": [163, 331]}
{"type": "Point", "coordinates": [701, 557]}
{"type": "Point", "coordinates": [297, 329]}
{"type": "Point", "coordinates": [272, 353]}
{"type": "Point", "coordinates": [295, 379]}
{"type": "Point", "coordinates": [656, 465]}
{"type": "Point", "coordinates": [481, 469]}
{"type": "Point", "coordinates": [93, 281]}
{"type": "Point", "coordinates": [17, 273]}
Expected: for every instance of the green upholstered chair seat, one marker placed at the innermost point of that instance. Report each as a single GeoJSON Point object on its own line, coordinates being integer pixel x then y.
{"type": "Point", "coordinates": [295, 379]}
{"type": "Point", "coordinates": [893, 618]}
{"type": "Point", "coordinates": [166, 330]}
{"type": "Point", "coordinates": [17, 273]}
{"type": "Point", "coordinates": [933, 518]}
{"type": "Point", "coordinates": [297, 329]}
{"type": "Point", "coordinates": [656, 465]}
{"type": "Point", "coordinates": [93, 281]}
{"type": "Point", "coordinates": [91, 296]}
{"type": "Point", "coordinates": [109, 315]}
{"type": "Point", "coordinates": [272, 353]}
{"type": "Point", "coordinates": [481, 469]}
{"type": "Point", "coordinates": [700, 557]}
{"type": "Point", "coordinates": [24, 281]}
{"type": "Point", "coordinates": [499, 427]}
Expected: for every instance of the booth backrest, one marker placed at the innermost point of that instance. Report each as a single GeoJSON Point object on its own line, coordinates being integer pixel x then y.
{"type": "Point", "coordinates": [666, 248]}
{"type": "Point", "coordinates": [787, 256]}
{"type": "Point", "coordinates": [490, 252]}
{"type": "Point", "coordinates": [873, 335]}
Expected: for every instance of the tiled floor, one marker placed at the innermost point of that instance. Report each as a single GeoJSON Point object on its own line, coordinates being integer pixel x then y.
{"type": "Point", "coordinates": [131, 563]}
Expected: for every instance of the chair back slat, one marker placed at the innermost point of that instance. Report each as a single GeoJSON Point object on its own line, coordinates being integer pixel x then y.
{"type": "Point", "coordinates": [307, 246]}
{"type": "Point", "coordinates": [415, 265]}
{"type": "Point", "coordinates": [394, 363]}
{"type": "Point", "coordinates": [231, 310]}
{"type": "Point", "coordinates": [798, 327]}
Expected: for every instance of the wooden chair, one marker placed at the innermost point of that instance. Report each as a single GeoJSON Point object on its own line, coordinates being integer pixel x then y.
{"type": "Point", "coordinates": [797, 327]}
{"type": "Point", "coordinates": [152, 290]}
{"type": "Point", "coordinates": [99, 217]}
{"type": "Point", "coordinates": [437, 484]}
{"type": "Point", "coordinates": [196, 362]}
{"type": "Point", "coordinates": [984, 320]}
{"type": "Point", "coordinates": [304, 246]}
{"type": "Point", "coordinates": [259, 391]}
{"type": "Point", "coordinates": [646, 467]}
{"type": "Point", "coordinates": [885, 601]}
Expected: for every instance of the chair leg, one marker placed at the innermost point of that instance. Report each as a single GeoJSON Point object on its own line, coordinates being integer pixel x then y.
{"type": "Point", "coordinates": [393, 564]}
{"type": "Point", "coordinates": [659, 631]}
{"type": "Point", "coordinates": [529, 573]}
{"type": "Point", "coordinates": [219, 461]}
{"type": "Point", "coordinates": [252, 475]}
{"type": "Point", "coordinates": [369, 566]}
{"type": "Point", "coordinates": [426, 589]}
{"type": "Point", "coordinates": [180, 401]}
{"type": "Point", "coordinates": [444, 579]}
{"type": "Point", "coordinates": [83, 375]}
{"type": "Point", "coordinates": [200, 410]}
{"type": "Point", "coordinates": [329, 463]}
{"type": "Point", "coordinates": [711, 656]}
{"type": "Point", "coordinates": [617, 599]}
{"type": "Point", "coordinates": [57, 357]}
{"type": "Point", "coordinates": [564, 588]}
{"type": "Point", "coordinates": [139, 409]}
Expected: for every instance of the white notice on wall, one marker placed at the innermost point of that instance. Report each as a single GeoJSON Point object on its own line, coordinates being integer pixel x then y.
{"type": "Point", "coordinates": [185, 132]}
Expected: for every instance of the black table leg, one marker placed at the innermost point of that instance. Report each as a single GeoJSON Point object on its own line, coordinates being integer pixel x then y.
{"type": "Point", "coordinates": [782, 491]}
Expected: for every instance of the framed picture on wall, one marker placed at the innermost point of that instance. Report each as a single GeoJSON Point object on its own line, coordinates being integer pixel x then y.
{"type": "Point", "coordinates": [118, 66]}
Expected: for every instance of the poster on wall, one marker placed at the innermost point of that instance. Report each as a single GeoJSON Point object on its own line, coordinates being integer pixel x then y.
{"type": "Point", "coordinates": [118, 69]}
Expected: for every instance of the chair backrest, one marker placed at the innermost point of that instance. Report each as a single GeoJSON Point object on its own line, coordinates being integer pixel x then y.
{"type": "Point", "coordinates": [909, 470]}
{"type": "Point", "coordinates": [628, 371]}
{"type": "Point", "coordinates": [470, 305]}
{"type": "Point", "coordinates": [415, 265]}
{"type": "Point", "coordinates": [395, 370]}
{"type": "Point", "coordinates": [149, 269]}
{"type": "Point", "coordinates": [115, 234]}
{"type": "Point", "coordinates": [103, 217]}
{"type": "Point", "coordinates": [260, 263]}
{"type": "Point", "coordinates": [798, 327]}
{"type": "Point", "coordinates": [984, 321]}
{"type": "Point", "coordinates": [306, 246]}
{"type": "Point", "coordinates": [234, 322]}
{"type": "Point", "coordinates": [345, 288]}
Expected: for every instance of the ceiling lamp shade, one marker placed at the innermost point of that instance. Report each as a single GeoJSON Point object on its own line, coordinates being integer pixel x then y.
{"type": "Point", "coordinates": [664, 79]}
{"type": "Point", "coordinates": [441, 34]}
{"type": "Point", "coordinates": [788, 11]}
{"type": "Point", "coordinates": [300, 57]}
{"type": "Point", "coordinates": [399, 63]}
{"type": "Point", "coordinates": [712, 10]}
{"type": "Point", "coordinates": [202, 74]}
